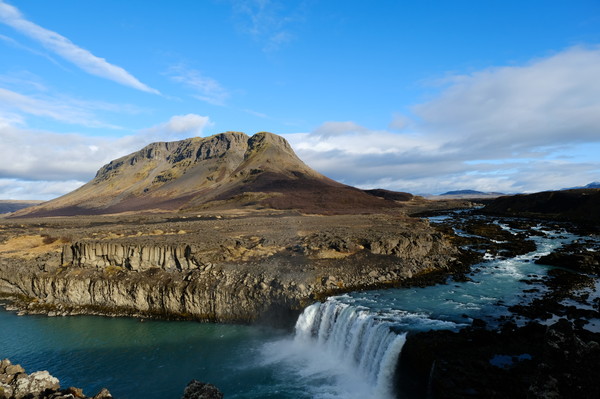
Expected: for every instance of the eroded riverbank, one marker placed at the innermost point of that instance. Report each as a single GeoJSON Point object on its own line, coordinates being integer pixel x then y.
{"type": "Point", "coordinates": [225, 268]}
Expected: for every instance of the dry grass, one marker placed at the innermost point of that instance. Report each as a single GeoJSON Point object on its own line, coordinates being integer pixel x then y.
{"type": "Point", "coordinates": [30, 246]}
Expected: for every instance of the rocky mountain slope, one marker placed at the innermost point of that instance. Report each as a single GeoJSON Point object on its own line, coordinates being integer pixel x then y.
{"type": "Point", "coordinates": [227, 170]}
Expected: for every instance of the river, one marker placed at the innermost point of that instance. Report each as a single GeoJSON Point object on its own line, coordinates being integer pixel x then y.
{"type": "Point", "coordinates": [346, 347]}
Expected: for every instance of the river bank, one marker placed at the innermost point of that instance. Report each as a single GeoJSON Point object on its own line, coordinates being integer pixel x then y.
{"type": "Point", "coordinates": [219, 268]}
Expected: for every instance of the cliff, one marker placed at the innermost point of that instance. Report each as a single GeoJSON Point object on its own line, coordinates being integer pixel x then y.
{"type": "Point", "coordinates": [238, 269]}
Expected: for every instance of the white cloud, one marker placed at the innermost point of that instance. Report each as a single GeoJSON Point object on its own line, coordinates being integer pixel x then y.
{"type": "Point", "coordinates": [180, 126]}
{"type": "Point", "coordinates": [332, 129]}
{"type": "Point", "coordinates": [59, 109]}
{"type": "Point", "coordinates": [8, 119]}
{"type": "Point", "coordinates": [16, 189]}
{"type": "Point", "coordinates": [511, 110]}
{"type": "Point", "coordinates": [508, 129]}
{"type": "Point", "coordinates": [205, 88]}
{"type": "Point", "coordinates": [63, 47]}
{"type": "Point", "coordinates": [38, 155]}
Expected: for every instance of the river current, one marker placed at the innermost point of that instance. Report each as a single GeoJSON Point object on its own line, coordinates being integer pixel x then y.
{"type": "Point", "coordinates": [346, 347]}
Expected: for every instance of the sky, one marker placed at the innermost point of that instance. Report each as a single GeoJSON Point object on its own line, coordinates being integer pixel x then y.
{"type": "Point", "coordinates": [419, 96]}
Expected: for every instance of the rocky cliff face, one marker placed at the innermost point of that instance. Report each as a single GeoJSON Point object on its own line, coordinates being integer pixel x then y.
{"type": "Point", "coordinates": [236, 277]}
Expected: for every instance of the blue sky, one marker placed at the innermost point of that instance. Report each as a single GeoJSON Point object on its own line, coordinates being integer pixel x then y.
{"type": "Point", "coordinates": [419, 96]}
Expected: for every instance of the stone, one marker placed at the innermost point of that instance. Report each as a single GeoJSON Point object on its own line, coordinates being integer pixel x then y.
{"type": "Point", "coordinates": [76, 392]}
{"type": "Point", "coordinates": [3, 364]}
{"type": "Point", "coordinates": [200, 390]}
{"type": "Point", "coordinates": [14, 369]}
{"type": "Point", "coordinates": [35, 383]}
{"type": "Point", "coordinates": [103, 394]}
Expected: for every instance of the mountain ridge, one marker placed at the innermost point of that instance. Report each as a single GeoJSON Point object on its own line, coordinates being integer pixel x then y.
{"type": "Point", "coordinates": [226, 170]}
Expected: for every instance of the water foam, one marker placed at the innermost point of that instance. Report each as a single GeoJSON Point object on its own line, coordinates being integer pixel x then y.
{"type": "Point", "coordinates": [349, 350]}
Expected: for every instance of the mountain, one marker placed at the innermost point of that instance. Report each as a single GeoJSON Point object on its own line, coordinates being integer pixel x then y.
{"type": "Point", "coordinates": [591, 185]}
{"type": "Point", "coordinates": [470, 192]}
{"type": "Point", "coordinates": [224, 171]}
{"type": "Point", "coordinates": [463, 192]}
{"type": "Point", "coordinates": [7, 206]}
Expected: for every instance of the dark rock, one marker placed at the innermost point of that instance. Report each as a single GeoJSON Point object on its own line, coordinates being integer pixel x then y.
{"type": "Point", "coordinates": [577, 256]}
{"type": "Point", "coordinates": [200, 390]}
{"type": "Point", "coordinates": [577, 206]}
{"type": "Point", "coordinates": [533, 361]}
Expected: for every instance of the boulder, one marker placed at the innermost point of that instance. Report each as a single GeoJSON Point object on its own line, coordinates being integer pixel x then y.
{"type": "Point", "coordinates": [16, 384]}
{"type": "Point", "coordinates": [200, 390]}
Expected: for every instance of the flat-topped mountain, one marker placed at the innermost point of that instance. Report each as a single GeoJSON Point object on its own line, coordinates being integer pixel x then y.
{"type": "Point", "coordinates": [227, 170]}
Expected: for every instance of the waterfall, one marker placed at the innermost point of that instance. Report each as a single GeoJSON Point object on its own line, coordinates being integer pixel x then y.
{"type": "Point", "coordinates": [356, 336]}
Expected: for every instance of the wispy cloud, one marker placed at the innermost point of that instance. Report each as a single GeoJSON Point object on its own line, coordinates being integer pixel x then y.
{"type": "Point", "coordinates": [501, 129]}
{"type": "Point", "coordinates": [59, 109]}
{"type": "Point", "coordinates": [12, 42]}
{"type": "Point", "coordinates": [204, 88]}
{"type": "Point", "coordinates": [60, 45]}
{"type": "Point", "coordinates": [47, 108]}
{"type": "Point", "coordinates": [268, 21]}
{"type": "Point", "coordinates": [256, 113]}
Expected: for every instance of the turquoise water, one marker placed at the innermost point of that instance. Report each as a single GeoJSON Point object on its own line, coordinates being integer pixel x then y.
{"type": "Point", "coordinates": [344, 348]}
{"type": "Point", "coordinates": [134, 359]}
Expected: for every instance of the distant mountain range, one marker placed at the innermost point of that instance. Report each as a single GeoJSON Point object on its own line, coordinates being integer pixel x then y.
{"type": "Point", "coordinates": [7, 206]}
{"type": "Point", "coordinates": [470, 192]}
{"type": "Point", "coordinates": [578, 205]}
{"type": "Point", "coordinates": [591, 185]}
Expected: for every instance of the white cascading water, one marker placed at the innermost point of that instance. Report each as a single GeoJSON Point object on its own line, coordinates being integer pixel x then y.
{"type": "Point", "coordinates": [354, 336]}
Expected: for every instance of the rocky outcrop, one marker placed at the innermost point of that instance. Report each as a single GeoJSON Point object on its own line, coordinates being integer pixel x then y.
{"type": "Point", "coordinates": [200, 390]}
{"type": "Point", "coordinates": [579, 256]}
{"type": "Point", "coordinates": [16, 384]}
{"type": "Point", "coordinates": [580, 206]}
{"type": "Point", "coordinates": [533, 361]}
